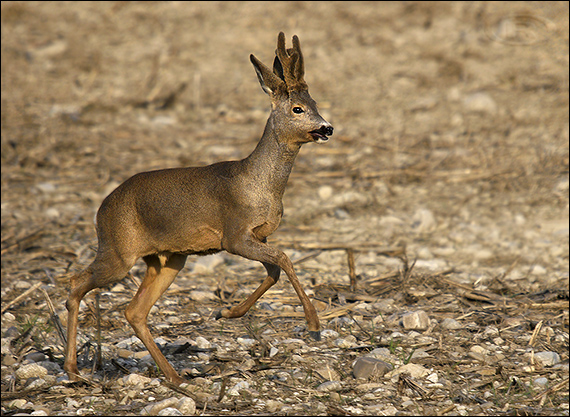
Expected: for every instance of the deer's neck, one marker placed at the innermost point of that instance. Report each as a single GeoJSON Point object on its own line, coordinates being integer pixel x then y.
{"type": "Point", "coordinates": [272, 159]}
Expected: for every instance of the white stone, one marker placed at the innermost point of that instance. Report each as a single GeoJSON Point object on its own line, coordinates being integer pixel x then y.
{"type": "Point", "coordinates": [161, 405]}
{"type": "Point", "coordinates": [538, 270]}
{"type": "Point", "coordinates": [346, 343]}
{"type": "Point", "coordinates": [32, 370]}
{"type": "Point", "coordinates": [136, 380]}
{"type": "Point", "coordinates": [273, 351]}
{"type": "Point", "coordinates": [367, 366]}
{"type": "Point", "coordinates": [187, 406]}
{"type": "Point", "coordinates": [480, 102]}
{"type": "Point", "coordinates": [18, 403]}
{"type": "Point", "coordinates": [330, 386]}
{"type": "Point", "coordinates": [246, 342]}
{"type": "Point", "coordinates": [203, 343]}
{"type": "Point", "coordinates": [451, 324]}
{"type": "Point", "coordinates": [547, 358]}
{"type": "Point", "coordinates": [423, 220]}
{"type": "Point", "coordinates": [416, 371]}
{"type": "Point", "coordinates": [169, 411]}
{"type": "Point", "coordinates": [325, 192]}
{"type": "Point", "coordinates": [541, 382]}
{"type": "Point", "coordinates": [326, 333]}
{"type": "Point", "coordinates": [242, 385]}
{"type": "Point", "coordinates": [433, 378]}
{"type": "Point", "coordinates": [130, 343]}
{"type": "Point", "coordinates": [202, 296]}
{"type": "Point", "coordinates": [418, 320]}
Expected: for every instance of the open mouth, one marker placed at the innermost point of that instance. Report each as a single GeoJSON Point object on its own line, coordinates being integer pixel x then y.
{"type": "Point", "coordinates": [321, 135]}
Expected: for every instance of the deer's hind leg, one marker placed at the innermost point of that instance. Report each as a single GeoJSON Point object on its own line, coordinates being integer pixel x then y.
{"type": "Point", "coordinates": [160, 273]}
{"type": "Point", "coordinates": [105, 269]}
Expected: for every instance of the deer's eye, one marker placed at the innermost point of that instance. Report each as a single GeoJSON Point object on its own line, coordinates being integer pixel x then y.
{"type": "Point", "coordinates": [298, 110]}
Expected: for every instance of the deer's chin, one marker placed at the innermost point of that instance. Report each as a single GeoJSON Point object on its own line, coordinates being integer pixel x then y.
{"type": "Point", "coordinates": [319, 138]}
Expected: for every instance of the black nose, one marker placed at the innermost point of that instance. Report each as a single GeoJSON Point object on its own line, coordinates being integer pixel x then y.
{"type": "Point", "coordinates": [328, 130]}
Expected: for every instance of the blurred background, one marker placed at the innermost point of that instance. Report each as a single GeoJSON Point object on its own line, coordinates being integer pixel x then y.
{"type": "Point", "coordinates": [451, 122]}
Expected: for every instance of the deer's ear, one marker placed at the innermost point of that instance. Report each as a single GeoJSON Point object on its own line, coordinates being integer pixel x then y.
{"type": "Point", "coordinates": [270, 83]}
{"type": "Point", "coordinates": [278, 68]}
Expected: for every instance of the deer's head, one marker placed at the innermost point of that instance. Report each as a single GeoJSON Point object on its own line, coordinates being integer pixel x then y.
{"type": "Point", "coordinates": [294, 115]}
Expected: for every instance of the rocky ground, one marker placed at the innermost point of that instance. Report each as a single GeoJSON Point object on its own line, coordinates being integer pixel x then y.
{"type": "Point", "coordinates": [446, 184]}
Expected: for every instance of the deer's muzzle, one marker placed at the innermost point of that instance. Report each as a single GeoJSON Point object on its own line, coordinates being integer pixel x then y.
{"type": "Point", "coordinates": [321, 134]}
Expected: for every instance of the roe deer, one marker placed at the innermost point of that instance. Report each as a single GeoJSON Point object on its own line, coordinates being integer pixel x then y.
{"type": "Point", "coordinates": [163, 216]}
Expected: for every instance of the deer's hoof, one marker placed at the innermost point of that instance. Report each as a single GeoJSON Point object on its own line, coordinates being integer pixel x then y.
{"type": "Point", "coordinates": [219, 315]}
{"type": "Point", "coordinates": [315, 335]}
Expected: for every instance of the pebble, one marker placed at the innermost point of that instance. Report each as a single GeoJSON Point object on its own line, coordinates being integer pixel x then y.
{"type": "Point", "coordinates": [12, 331]}
{"type": "Point", "coordinates": [547, 358]}
{"type": "Point", "coordinates": [125, 353]}
{"type": "Point", "coordinates": [273, 406]}
{"type": "Point", "coordinates": [419, 354]}
{"type": "Point", "coordinates": [169, 411]}
{"type": "Point", "coordinates": [52, 213]}
{"type": "Point", "coordinates": [187, 406]}
{"type": "Point", "coordinates": [39, 382]}
{"type": "Point", "coordinates": [538, 270]}
{"type": "Point", "coordinates": [18, 403]}
{"type": "Point", "coordinates": [246, 341]}
{"type": "Point", "coordinates": [382, 353]}
{"type": "Point", "coordinates": [415, 370]}
{"type": "Point", "coordinates": [346, 342]}
{"type": "Point", "coordinates": [235, 390]}
{"type": "Point", "coordinates": [431, 264]}
{"type": "Point", "coordinates": [418, 320]}
{"type": "Point", "coordinates": [480, 102]}
{"type": "Point", "coordinates": [32, 370]}
{"type": "Point", "coordinates": [434, 378]}
{"type": "Point", "coordinates": [334, 396]}
{"type": "Point", "coordinates": [329, 333]}
{"type": "Point", "coordinates": [203, 343]}
{"type": "Point", "coordinates": [171, 407]}
{"type": "Point", "coordinates": [450, 324]}
{"type": "Point", "coordinates": [366, 367]}
{"type": "Point", "coordinates": [423, 220]}
{"type": "Point", "coordinates": [293, 343]}
{"type": "Point", "coordinates": [202, 296]}
{"type": "Point", "coordinates": [330, 386]}
{"type": "Point", "coordinates": [131, 342]}
{"type": "Point", "coordinates": [325, 192]}
{"type": "Point", "coordinates": [8, 359]}
{"type": "Point", "coordinates": [385, 306]}
{"type": "Point", "coordinates": [386, 221]}
{"type": "Point", "coordinates": [541, 382]}
{"type": "Point", "coordinates": [35, 357]}
{"type": "Point", "coordinates": [46, 187]}
{"type": "Point", "coordinates": [328, 373]}
{"type": "Point", "coordinates": [341, 321]}
{"type": "Point", "coordinates": [136, 380]}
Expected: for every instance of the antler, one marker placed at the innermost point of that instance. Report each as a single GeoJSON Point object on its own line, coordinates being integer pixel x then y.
{"type": "Point", "coordinates": [289, 65]}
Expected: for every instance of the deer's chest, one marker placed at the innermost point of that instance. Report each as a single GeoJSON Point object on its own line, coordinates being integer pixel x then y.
{"type": "Point", "coordinates": [268, 221]}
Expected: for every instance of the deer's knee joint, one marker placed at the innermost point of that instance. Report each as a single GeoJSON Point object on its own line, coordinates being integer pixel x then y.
{"type": "Point", "coordinates": [283, 261]}
{"type": "Point", "coordinates": [133, 317]}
